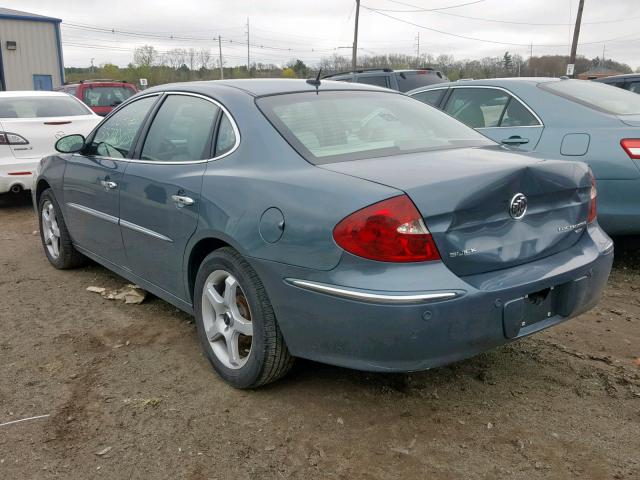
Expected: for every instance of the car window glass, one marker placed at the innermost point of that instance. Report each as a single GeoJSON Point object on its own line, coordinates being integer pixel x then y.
{"type": "Point", "coordinates": [181, 130]}
{"type": "Point", "coordinates": [477, 107]}
{"type": "Point", "coordinates": [106, 96]}
{"type": "Point", "coordinates": [379, 80]}
{"type": "Point", "coordinates": [41, 107]}
{"type": "Point", "coordinates": [226, 137]}
{"type": "Point", "coordinates": [430, 97]}
{"type": "Point", "coordinates": [338, 126]}
{"type": "Point", "coordinates": [517, 115]}
{"type": "Point", "coordinates": [421, 78]}
{"type": "Point", "coordinates": [596, 95]}
{"type": "Point", "coordinates": [634, 87]}
{"type": "Point", "coordinates": [114, 138]}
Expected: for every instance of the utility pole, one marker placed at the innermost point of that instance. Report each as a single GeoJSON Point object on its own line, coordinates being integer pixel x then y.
{"type": "Point", "coordinates": [418, 51]}
{"type": "Point", "coordinates": [576, 35]}
{"type": "Point", "coordinates": [248, 54]}
{"type": "Point", "coordinates": [220, 50]}
{"type": "Point", "coordinates": [355, 39]}
{"type": "Point", "coordinates": [92, 64]}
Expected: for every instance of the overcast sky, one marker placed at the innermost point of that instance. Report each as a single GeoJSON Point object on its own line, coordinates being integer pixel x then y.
{"type": "Point", "coordinates": [308, 30]}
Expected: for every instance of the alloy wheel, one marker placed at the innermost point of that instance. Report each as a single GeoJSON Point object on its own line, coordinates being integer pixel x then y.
{"type": "Point", "coordinates": [227, 319]}
{"type": "Point", "coordinates": [50, 229]}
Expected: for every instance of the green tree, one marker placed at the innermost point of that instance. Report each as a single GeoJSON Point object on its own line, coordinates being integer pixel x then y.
{"type": "Point", "coordinates": [507, 61]}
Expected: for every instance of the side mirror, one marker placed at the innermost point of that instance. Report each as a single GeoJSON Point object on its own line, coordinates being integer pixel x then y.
{"type": "Point", "coordinates": [70, 143]}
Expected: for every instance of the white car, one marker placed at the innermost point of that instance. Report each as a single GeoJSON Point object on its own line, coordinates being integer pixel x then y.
{"type": "Point", "coordinates": [30, 125]}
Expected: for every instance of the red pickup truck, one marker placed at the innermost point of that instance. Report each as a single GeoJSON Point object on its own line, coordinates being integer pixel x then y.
{"type": "Point", "coordinates": [101, 96]}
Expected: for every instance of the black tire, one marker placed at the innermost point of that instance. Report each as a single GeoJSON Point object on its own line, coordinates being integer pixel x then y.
{"type": "Point", "coordinates": [68, 256]}
{"type": "Point", "coordinates": [268, 359]}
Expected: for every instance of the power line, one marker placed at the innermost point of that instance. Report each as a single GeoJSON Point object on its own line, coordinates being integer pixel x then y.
{"type": "Point", "coordinates": [441, 11]}
{"type": "Point", "coordinates": [475, 39]}
{"type": "Point", "coordinates": [419, 9]}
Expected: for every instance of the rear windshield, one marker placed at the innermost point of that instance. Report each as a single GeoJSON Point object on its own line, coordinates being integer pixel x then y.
{"type": "Point", "coordinates": [599, 96]}
{"type": "Point", "coordinates": [410, 80]}
{"type": "Point", "coordinates": [106, 96]}
{"type": "Point", "coordinates": [334, 126]}
{"type": "Point", "coordinates": [36, 107]}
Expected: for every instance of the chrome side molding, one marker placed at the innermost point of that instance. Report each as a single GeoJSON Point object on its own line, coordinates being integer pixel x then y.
{"type": "Point", "coordinates": [369, 297]}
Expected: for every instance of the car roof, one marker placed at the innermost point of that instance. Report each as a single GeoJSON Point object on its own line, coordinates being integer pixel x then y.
{"type": "Point", "coordinates": [31, 93]}
{"type": "Point", "coordinates": [489, 82]}
{"type": "Point", "coordinates": [615, 77]}
{"type": "Point", "coordinates": [268, 86]}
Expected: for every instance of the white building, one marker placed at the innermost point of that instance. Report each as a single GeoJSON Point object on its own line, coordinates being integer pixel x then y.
{"type": "Point", "coordinates": [30, 51]}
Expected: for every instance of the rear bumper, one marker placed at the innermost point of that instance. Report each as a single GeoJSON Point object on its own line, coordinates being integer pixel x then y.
{"type": "Point", "coordinates": [409, 333]}
{"type": "Point", "coordinates": [17, 171]}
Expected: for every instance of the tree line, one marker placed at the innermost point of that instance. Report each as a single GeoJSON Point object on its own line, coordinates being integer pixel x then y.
{"type": "Point", "coordinates": [179, 65]}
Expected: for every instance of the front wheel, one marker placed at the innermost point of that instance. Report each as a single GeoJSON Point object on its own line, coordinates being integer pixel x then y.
{"type": "Point", "coordinates": [54, 234]}
{"type": "Point", "coordinates": [236, 324]}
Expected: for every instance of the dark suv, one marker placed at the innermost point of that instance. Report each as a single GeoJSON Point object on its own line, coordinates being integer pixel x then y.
{"type": "Point", "coordinates": [101, 96]}
{"type": "Point", "coordinates": [402, 80]}
{"type": "Point", "coordinates": [629, 82]}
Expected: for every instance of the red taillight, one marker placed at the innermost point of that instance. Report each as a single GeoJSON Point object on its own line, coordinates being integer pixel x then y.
{"type": "Point", "coordinates": [632, 147]}
{"type": "Point", "coordinates": [388, 231]}
{"type": "Point", "coordinates": [593, 207]}
{"type": "Point", "coordinates": [7, 138]}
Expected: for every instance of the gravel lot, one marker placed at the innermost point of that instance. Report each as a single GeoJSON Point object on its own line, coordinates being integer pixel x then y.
{"type": "Point", "coordinates": [129, 394]}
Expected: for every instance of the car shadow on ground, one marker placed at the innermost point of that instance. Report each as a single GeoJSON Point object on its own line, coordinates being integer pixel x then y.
{"type": "Point", "coordinates": [22, 199]}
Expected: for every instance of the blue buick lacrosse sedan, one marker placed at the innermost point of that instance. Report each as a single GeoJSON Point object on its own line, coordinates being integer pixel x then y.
{"type": "Point", "coordinates": [337, 222]}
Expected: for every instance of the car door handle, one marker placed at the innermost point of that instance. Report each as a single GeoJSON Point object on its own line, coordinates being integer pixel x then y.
{"type": "Point", "coordinates": [108, 185]}
{"type": "Point", "coordinates": [182, 201]}
{"type": "Point", "coordinates": [515, 140]}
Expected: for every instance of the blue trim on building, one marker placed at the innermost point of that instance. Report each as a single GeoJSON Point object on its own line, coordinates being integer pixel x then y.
{"type": "Point", "coordinates": [30, 19]}
{"type": "Point", "coordinates": [3, 84]}
{"type": "Point", "coordinates": [60, 58]}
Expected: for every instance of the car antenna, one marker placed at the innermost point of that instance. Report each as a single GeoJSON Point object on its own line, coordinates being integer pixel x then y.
{"type": "Point", "coordinates": [315, 81]}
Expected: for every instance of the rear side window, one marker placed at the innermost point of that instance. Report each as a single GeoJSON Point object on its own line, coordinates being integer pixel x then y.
{"type": "Point", "coordinates": [430, 97]}
{"type": "Point", "coordinates": [517, 115]}
{"type": "Point", "coordinates": [378, 80]}
{"type": "Point", "coordinates": [410, 80]}
{"type": "Point", "coordinates": [598, 96]}
{"type": "Point", "coordinates": [336, 126]}
{"type": "Point", "coordinates": [477, 107]}
{"type": "Point", "coordinates": [105, 96]}
{"type": "Point", "coordinates": [41, 107]}
{"type": "Point", "coordinates": [181, 130]}
{"type": "Point", "coordinates": [226, 137]}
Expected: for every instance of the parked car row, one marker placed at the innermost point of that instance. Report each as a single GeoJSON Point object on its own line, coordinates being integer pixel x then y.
{"type": "Point", "coordinates": [340, 222]}
{"type": "Point", "coordinates": [564, 119]}
{"type": "Point", "coordinates": [30, 124]}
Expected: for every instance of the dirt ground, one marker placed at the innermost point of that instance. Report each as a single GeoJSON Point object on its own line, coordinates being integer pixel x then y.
{"type": "Point", "coordinates": [129, 395]}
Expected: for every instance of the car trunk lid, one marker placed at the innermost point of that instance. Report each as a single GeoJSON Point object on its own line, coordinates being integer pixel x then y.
{"type": "Point", "coordinates": [42, 133]}
{"type": "Point", "coordinates": [464, 196]}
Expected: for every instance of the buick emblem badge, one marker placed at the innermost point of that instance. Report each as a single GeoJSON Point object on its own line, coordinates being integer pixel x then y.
{"type": "Point", "coordinates": [518, 206]}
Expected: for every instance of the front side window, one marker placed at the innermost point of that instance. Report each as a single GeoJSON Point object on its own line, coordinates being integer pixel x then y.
{"type": "Point", "coordinates": [41, 107]}
{"type": "Point", "coordinates": [378, 80]}
{"type": "Point", "coordinates": [598, 96]}
{"type": "Point", "coordinates": [477, 107]}
{"type": "Point", "coordinates": [181, 130]}
{"type": "Point", "coordinates": [114, 138]}
{"type": "Point", "coordinates": [106, 96]}
{"type": "Point", "coordinates": [430, 97]}
{"type": "Point", "coordinates": [634, 87]}
{"type": "Point", "coordinates": [336, 126]}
